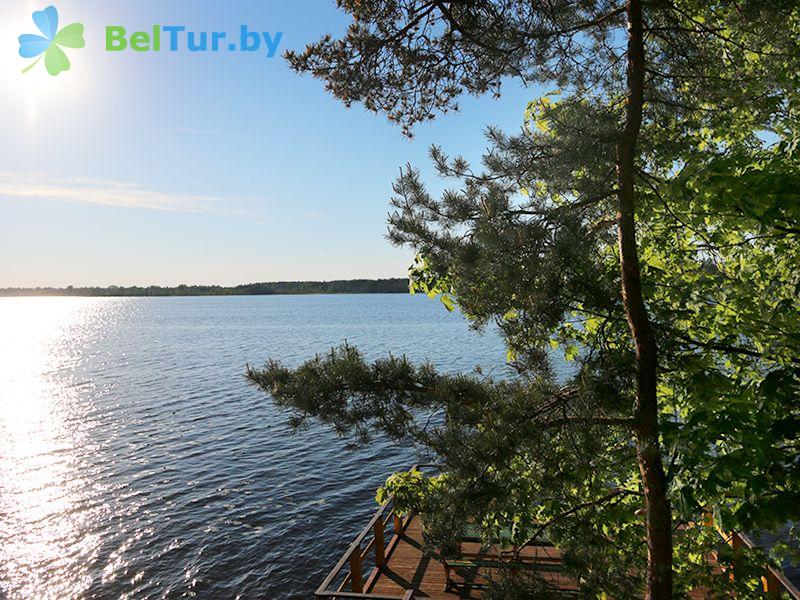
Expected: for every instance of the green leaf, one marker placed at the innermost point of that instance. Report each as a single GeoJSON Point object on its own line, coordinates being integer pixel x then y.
{"type": "Point", "coordinates": [71, 36]}
{"type": "Point", "coordinates": [571, 352]}
{"type": "Point", "coordinates": [448, 301]}
{"type": "Point", "coordinates": [55, 60]}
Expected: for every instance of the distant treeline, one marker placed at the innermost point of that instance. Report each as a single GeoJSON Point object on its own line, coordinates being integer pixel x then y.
{"type": "Point", "coordinates": [349, 286]}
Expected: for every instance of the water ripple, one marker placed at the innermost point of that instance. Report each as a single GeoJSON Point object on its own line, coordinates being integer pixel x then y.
{"type": "Point", "coordinates": [135, 461]}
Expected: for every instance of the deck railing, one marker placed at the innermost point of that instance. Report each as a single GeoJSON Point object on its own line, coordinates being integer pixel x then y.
{"type": "Point", "coordinates": [774, 582]}
{"type": "Point", "coordinates": [360, 564]}
{"type": "Point", "coordinates": [369, 552]}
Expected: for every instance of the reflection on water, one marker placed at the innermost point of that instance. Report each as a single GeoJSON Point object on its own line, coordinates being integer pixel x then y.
{"type": "Point", "coordinates": [135, 461]}
{"type": "Point", "coordinates": [46, 502]}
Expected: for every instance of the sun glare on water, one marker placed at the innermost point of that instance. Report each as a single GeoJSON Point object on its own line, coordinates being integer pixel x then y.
{"type": "Point", "coordinates": [44, 537]}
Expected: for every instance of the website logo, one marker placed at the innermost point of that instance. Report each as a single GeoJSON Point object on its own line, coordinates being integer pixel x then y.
{"type": "Point", "coordinates": [180, 37]}
{"type": "Point", "coordinates": [51, 43]}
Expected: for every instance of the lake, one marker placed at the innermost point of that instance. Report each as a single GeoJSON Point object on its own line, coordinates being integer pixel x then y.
{"type": "Point", "coordinates": [136, 462]}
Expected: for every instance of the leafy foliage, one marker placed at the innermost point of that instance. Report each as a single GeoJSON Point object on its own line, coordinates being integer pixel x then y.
{"type": "Point", "coordinates": [531, 242]}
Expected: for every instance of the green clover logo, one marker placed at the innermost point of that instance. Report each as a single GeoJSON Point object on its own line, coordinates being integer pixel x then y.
{"type": "Point", "coordinates": [50, 42]}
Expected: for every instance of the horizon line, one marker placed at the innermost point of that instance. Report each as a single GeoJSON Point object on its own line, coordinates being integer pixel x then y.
{"type": "Point", "coordinates": [392, 285]}
{"type": "Point", "coordinates": [206, 285]}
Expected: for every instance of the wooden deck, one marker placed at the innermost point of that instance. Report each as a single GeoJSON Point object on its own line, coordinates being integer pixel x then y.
{"type": "Point", "coordinates": [408, 568]}
{"type": "Point", "coordinates": [399, 570]}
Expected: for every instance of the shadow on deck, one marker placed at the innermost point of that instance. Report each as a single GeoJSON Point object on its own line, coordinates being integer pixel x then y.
{"type": "Point", "coordinates": [409, 568]}
{"type": "Point", "coordinates": [401, 570]}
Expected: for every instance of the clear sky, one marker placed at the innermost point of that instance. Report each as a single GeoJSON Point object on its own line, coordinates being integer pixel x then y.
{"type": "Point", "coordinates": [179, 167]}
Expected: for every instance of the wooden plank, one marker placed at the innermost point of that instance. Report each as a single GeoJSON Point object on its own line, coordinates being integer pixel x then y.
{"type": "Point", "coordinates": [356, 582]}
{"type": "Point", "coordinates": [407, 567]}
{"type": "Point", "coordinates": [380, 559]}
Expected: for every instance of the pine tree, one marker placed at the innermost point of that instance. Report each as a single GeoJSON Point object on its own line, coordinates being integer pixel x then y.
{"type": "Point", "coordinates": [629, 224]}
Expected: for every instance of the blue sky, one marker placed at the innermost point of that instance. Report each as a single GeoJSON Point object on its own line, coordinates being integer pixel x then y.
{"type": "Point", "coordinates": [166, 168]}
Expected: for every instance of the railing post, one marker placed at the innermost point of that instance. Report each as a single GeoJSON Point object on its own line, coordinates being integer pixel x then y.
{"type": "Point", "coordinates": [708, 519]}
{"type": "Point", "coordinates": [771, 584]}
{"type": "Point", "coordinates": [409, 595]}
{"type": "Point", "coordinates": [356, 581]}
{"type": "Point", "coordinates": [380, 557]}
{"type": "Point", "coordinates": [737, 545]}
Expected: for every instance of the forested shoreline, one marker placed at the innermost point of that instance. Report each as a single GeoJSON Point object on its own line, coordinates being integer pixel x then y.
{"type": "Point", "coordinates": [397, 285]}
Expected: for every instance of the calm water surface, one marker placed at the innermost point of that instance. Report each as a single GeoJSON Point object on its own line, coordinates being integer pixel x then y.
{"type": "Point", "coordinates": [136, 462]}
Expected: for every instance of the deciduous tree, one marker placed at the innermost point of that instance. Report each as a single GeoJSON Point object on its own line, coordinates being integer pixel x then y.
{"type": "Point", "coordinates": [645, 221]}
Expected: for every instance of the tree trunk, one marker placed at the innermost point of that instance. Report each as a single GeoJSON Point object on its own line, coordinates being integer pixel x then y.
{"type": "Point", "coordinates": [648, 450]}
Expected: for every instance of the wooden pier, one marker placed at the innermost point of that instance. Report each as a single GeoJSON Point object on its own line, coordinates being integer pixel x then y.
{"type": "Point", "coordinates": [386, 561]}
{"type": "Point", "coordinates": [408, 567]}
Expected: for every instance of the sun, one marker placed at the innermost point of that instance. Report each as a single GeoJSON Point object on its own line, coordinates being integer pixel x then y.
{"type": "Point", "coordinates": [35, 93]}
